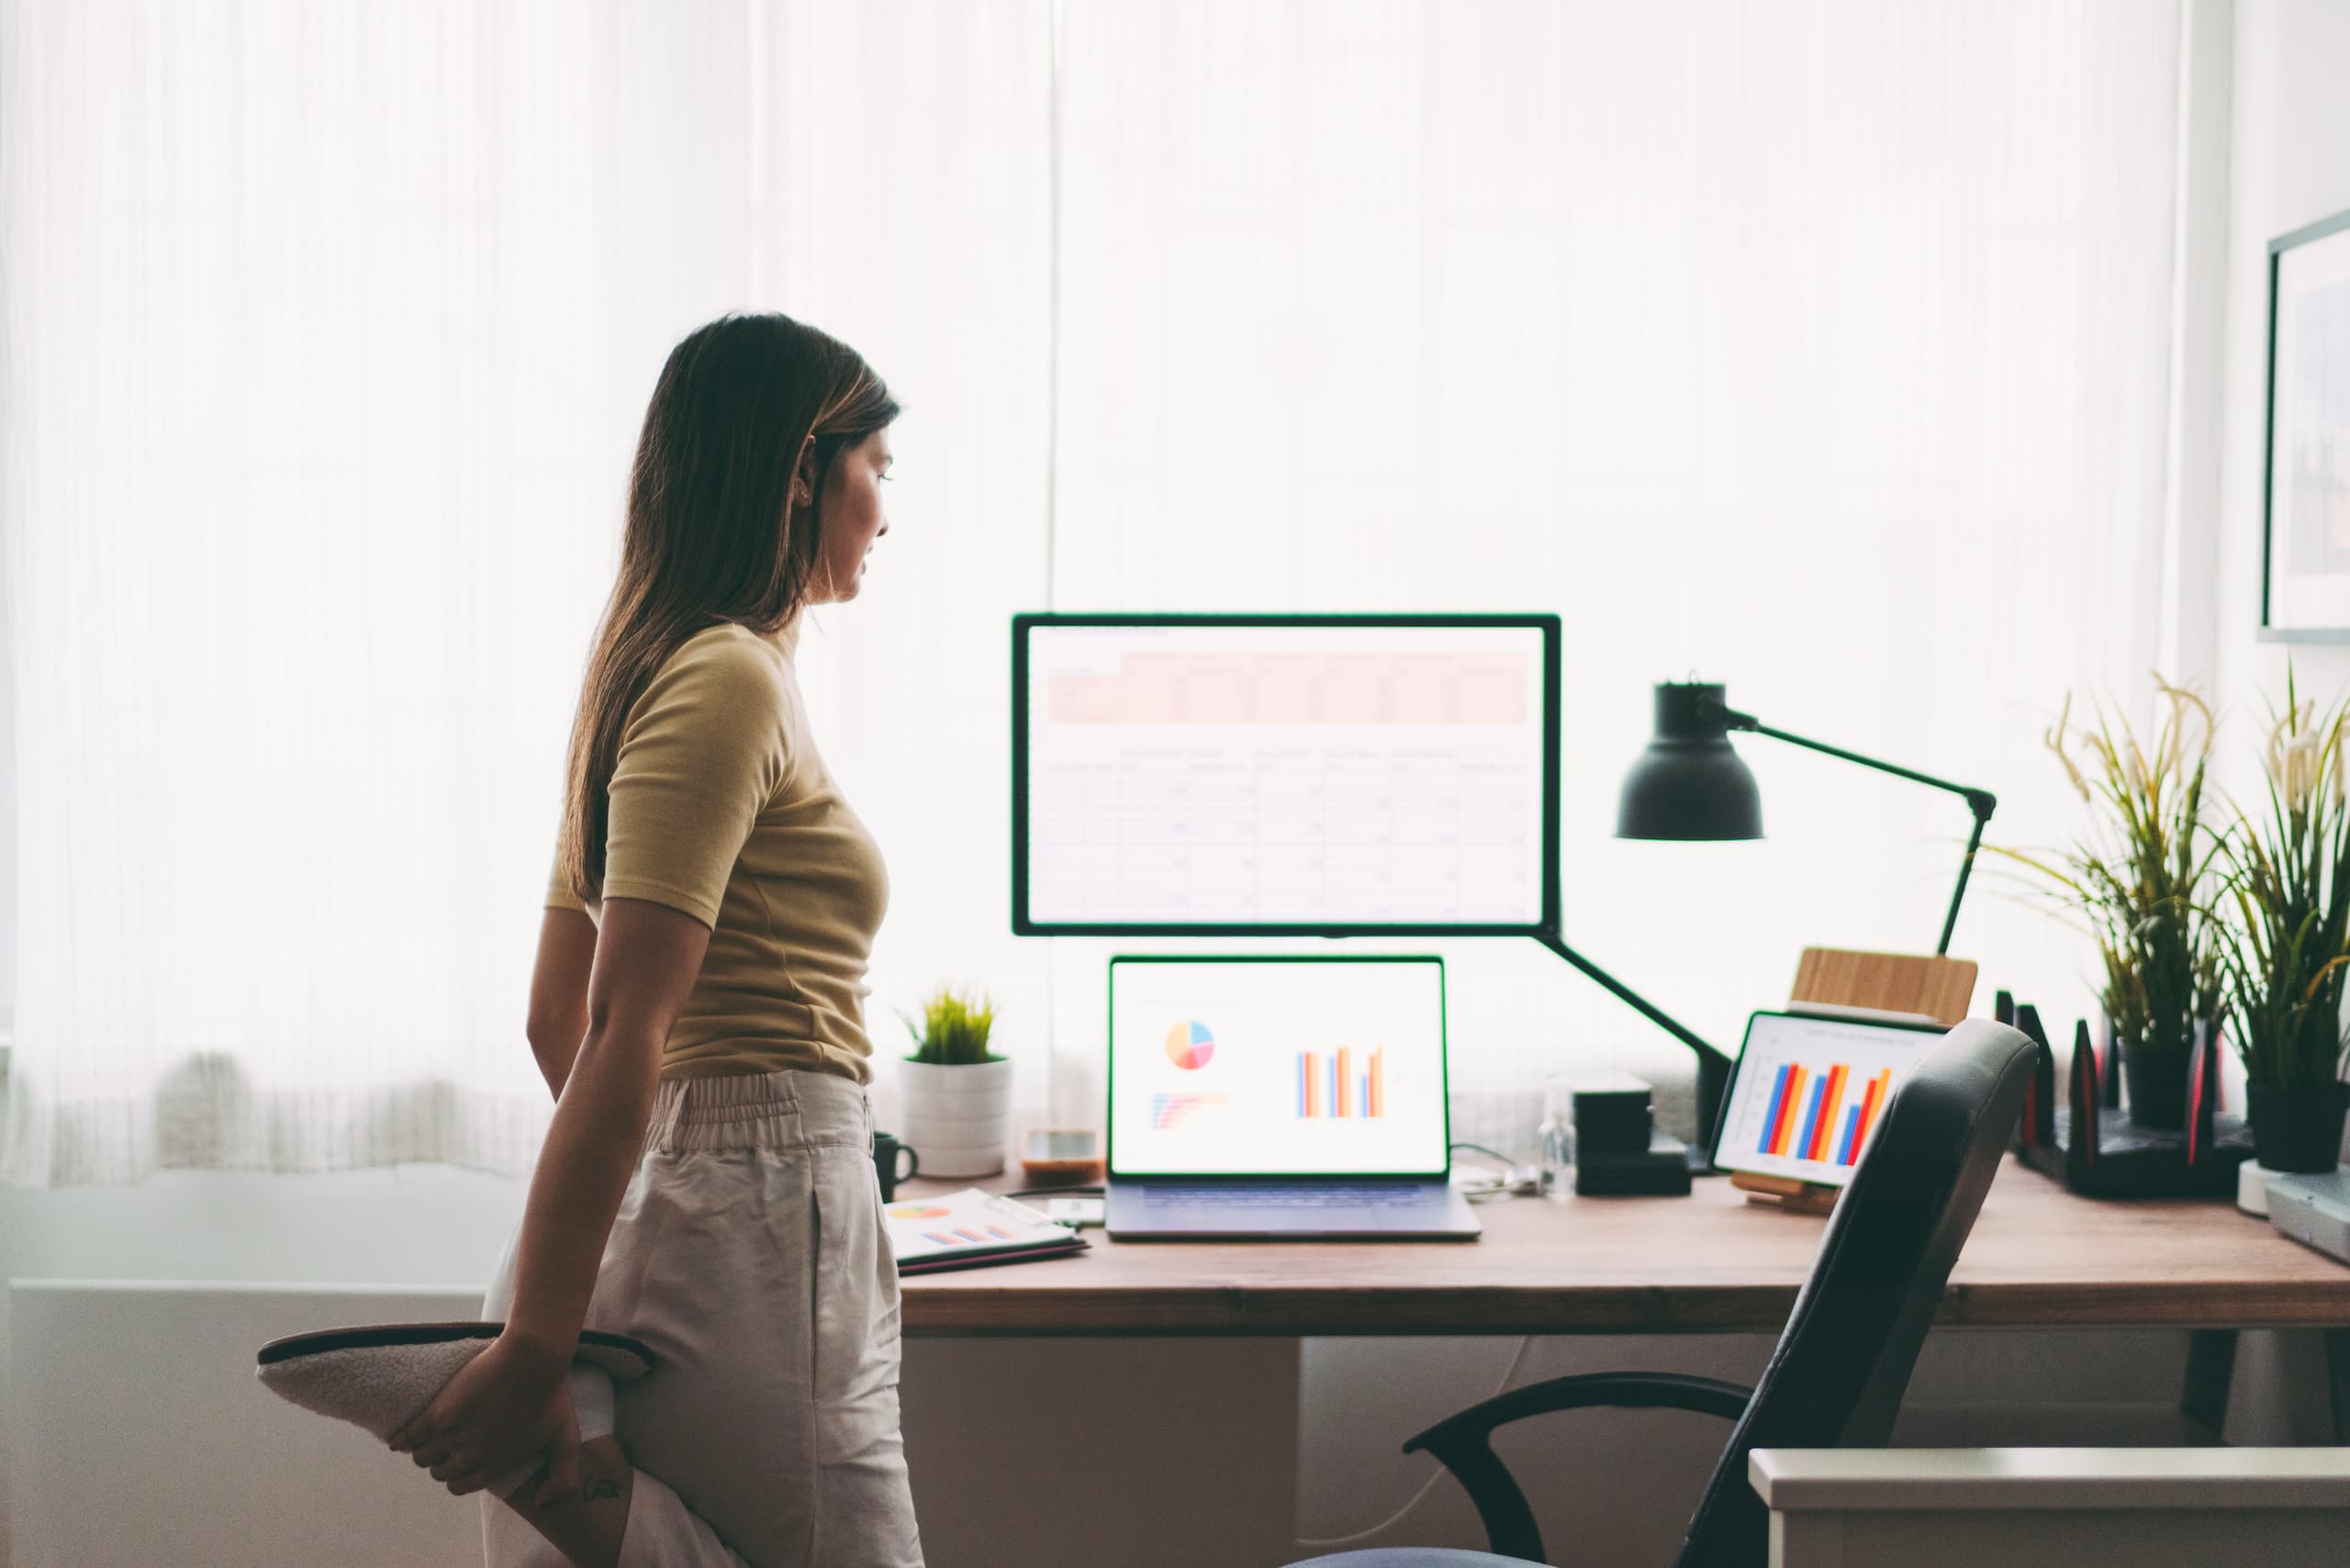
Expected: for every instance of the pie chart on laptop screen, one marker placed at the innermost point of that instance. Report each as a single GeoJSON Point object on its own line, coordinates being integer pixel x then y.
{"type": "Point", "coordinates": [1190, 1045]}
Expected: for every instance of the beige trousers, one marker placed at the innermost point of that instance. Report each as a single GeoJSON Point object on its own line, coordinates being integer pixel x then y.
{"type": "Point", "coordinates": [749, 1254]}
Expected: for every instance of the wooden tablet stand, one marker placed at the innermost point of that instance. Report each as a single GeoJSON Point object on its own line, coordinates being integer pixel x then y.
{"type": "Point", "coordinates": [1937, 988]}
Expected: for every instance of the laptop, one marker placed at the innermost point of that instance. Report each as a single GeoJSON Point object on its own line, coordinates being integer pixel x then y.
{"type": "Point", "coordinates": [1279, 1098]}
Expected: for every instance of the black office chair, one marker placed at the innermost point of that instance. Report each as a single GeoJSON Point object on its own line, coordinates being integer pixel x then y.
{"type": "Point", "coordinates": [1837, 1377]}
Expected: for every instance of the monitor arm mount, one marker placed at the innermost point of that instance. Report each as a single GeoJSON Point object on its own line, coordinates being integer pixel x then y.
{"type": "Point", "coordinates": [1713, 1067]}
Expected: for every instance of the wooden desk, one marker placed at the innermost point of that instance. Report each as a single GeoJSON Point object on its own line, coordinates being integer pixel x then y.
{"type": "Point", "coordinates": [1227, 1390]}
{"type": "Point", "coordinates": [1708, 1263]}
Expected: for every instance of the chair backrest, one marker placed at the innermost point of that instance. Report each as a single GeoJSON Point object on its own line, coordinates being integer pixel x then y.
{"type": "Point", "coordinates": [1837, 1377]}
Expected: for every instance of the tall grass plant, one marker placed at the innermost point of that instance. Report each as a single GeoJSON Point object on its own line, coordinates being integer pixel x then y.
{"type": "Point", "coordinates": [2141, 877]}
{"type": "Point", "coordinates": [2287, 955]}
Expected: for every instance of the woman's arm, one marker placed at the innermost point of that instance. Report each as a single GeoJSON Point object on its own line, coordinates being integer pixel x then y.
{"type": "Point", "coordinates": [702, 752]}
{"type": "Point", "coordinates": [647, 957]}
{"type": "Point", "coordinates": [510, 1401]}
{"type": "Point", "coordinates": [558, 1019]}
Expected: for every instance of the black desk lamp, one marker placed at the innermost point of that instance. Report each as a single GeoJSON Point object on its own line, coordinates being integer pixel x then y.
{"type": "Point", "coordinates": [1691, 784]}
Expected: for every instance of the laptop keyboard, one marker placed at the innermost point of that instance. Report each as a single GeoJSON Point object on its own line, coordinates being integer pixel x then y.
{"type": "Point", "coordinates": [1382, 1197]}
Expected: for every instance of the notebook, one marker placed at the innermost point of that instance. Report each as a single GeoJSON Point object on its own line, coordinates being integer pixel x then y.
{"type": "Point", "coordinates": [971, 1229]}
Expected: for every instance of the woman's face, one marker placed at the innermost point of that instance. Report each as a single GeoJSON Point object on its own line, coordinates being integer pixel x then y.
{"type": "Point", "coordinates": [849, 518]}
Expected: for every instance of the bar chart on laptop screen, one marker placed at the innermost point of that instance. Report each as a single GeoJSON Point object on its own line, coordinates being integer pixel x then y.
{"type": "Point", "coordinates": [1285, 775]}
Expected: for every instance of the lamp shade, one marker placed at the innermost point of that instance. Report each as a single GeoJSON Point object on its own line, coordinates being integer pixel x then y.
{"type": "Point", "coordinates": [1690, 783]}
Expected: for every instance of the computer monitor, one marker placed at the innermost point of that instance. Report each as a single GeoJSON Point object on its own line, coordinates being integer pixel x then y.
{"type": "Point", "coordinates": [1276, 1067]}
{"type": "Point", "coordinates": [1323, 775]}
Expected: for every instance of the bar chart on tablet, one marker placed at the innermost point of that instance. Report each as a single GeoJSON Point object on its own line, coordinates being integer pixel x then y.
{"type": "Point", "coordinates": [1274, 774]}
{"type": "Point", "coordinates": [1811, 1091]}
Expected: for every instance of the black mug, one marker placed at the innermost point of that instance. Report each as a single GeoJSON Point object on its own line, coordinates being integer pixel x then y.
{"type": "Point", "coordinates": [886, 1149]}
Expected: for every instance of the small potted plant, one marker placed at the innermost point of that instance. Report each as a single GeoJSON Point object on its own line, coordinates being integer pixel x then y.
{"type": "Point", "coordinates": [957, 1111]}
{"type": "Point", "coordinates": [2287, 958]}
{"type": "Point", "coordinates": [2140, 876]}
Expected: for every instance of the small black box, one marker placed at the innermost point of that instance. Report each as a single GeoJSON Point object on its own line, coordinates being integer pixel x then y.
{"type": "Point", "coordinates": [1612, 1114]}
{"type": "Point", "coordinates": [1612, 1099]}
{"type": "Point", "coordinates": [1630, 1138]}
{"type": "Point", "coordinates": [1661, 1168]}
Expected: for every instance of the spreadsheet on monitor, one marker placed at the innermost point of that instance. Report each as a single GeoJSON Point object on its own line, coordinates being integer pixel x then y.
{"type": "Point", "coordinates": [1299, 773]}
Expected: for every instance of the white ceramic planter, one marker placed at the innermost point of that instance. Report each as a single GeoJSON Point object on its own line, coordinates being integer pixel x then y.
{"type": "Point", "coordinates": [957, 1118]}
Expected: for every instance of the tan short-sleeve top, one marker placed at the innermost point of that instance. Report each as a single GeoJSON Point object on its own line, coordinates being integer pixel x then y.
{"type": "Point", "coordinates": [722, 808]}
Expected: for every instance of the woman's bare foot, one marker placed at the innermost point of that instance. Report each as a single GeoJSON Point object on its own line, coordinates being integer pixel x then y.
{"type": "Point", "coordinates": [586, 1527]}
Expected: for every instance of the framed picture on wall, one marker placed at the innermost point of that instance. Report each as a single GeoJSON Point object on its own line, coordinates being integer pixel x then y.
{"type": "Point", "coordinates": [2305, 528]}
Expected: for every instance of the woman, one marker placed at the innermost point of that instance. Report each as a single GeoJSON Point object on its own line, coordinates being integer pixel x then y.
{"type": "Point", "coordinates": [706, 1184]}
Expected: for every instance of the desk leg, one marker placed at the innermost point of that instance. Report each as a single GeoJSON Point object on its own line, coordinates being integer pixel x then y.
{"type": "Point", "coordinates": [2210, 1369]}
{"type": "Point", "coordinates": [2337, 1379]}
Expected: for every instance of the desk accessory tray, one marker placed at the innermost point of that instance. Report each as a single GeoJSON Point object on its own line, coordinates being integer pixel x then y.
{"type": "Point", "coordinates": [2313, 1209]}
{"type": "Point", "coordinates": [2093, 1147]}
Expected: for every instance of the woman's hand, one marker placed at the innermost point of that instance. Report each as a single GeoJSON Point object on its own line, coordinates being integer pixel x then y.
{"type": "Point", "coordinates": [506, 1406]}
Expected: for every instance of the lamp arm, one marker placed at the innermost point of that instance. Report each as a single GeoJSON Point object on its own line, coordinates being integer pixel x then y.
{"type": "Point", "coordinates": [1713, 1067]}
{"type": "Point", "coordinates": [1973, 842]}
{"type": "Point", "coordinates": [1981, 802]}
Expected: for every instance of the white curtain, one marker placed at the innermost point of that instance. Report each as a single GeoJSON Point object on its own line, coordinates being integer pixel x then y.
{"type": "Point", "coordinates": [1817, 348]}
{"type": "Point", "coordinates": [328, 330]}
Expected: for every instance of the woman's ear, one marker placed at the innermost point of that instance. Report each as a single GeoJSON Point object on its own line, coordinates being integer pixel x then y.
{"type": "Point", "coordinates": [804, 475]}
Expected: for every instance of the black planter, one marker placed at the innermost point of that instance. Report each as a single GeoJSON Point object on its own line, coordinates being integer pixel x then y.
{"type": "Point", "coordinates": [2157, 1084]}
{"type": "Point", "coordinates": [2298, 1130]}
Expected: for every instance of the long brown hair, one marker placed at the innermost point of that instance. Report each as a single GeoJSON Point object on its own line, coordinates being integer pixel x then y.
{"type": "Point", "coordinates": [711, 536]}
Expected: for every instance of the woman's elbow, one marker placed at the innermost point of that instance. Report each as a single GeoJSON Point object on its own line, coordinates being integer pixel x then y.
{"type": "Point", "coordinates": [552, 1037]}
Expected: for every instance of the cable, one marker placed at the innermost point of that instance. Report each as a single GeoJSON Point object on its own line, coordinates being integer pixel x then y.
{"type": "Point", "coordinates": [1392, 1520]}
{"type": "Point", "coordinates": [1515, 1181]}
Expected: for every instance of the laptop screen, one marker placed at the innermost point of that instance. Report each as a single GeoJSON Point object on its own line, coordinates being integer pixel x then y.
{"type": "Point", "coordinates": [1276, 1067]}
{"type": "Point", "coordinates": [1809, 1092]}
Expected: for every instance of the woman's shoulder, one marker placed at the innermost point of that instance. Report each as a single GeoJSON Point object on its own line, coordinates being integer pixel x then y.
{"type": "Point", "coordinates": [728, 648]}
{"type": "Point", "coordinates": [729, 666]}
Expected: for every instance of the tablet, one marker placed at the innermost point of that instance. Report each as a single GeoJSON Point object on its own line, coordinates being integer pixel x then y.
{"type": "Point", "coordinates": [1806, 1091]}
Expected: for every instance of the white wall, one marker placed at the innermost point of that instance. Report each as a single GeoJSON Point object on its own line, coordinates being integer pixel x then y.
{"type": "Point", "coordinates": [2289, 166]}
{"type": "Point", "coordinates": [8, 812]}
{"type": "Point", "coordinates": [1037, 1452]}
{"type": "Point", "coordinates": [153, 1434]}
{"type": "Point", "coordinates": [417, 1227]}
